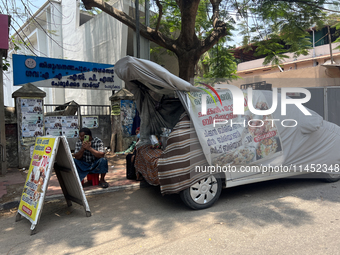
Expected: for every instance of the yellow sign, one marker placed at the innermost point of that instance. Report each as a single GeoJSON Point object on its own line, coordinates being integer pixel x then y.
{"type": "Point", "coordinates": [37, 178]}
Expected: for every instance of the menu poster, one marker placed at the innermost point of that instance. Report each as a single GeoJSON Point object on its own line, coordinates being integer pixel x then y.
{"type": "Point", "coordinates": [90, 121]}
{"type": "Point", "coordinates": [241, 139]}
{"type": "Point", "coordinates": [36, 181]}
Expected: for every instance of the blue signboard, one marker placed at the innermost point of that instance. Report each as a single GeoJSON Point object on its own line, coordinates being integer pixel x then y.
{"type": "Point", "coordinates": [61, 73]}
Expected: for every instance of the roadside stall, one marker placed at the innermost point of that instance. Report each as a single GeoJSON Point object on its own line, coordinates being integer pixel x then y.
{"type": "Point", "coordinates": [221, 138]}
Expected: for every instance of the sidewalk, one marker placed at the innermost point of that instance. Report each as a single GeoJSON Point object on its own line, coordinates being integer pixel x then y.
{"type": "Point", "coordinates": [12, 184]}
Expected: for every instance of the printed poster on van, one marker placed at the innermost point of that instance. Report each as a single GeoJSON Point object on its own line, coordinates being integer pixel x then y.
{"type": "Point", "coordinates": [238, 139]}
{"type": "Point", "coordinates": [36, 182]}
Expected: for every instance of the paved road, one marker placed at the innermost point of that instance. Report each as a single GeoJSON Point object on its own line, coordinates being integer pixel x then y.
{"type": "Point", "coordinates": [293, 216]}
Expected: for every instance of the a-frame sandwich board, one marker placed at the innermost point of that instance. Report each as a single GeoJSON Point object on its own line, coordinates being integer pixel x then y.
{"type": "Point", "coordinates": [50, 153]}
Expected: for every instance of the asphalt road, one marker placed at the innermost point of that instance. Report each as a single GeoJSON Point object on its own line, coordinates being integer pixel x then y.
{"type": "Point", "coordinates": [295, 216]}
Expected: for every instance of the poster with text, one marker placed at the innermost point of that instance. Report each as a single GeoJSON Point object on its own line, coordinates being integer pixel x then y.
{"type": "Point", "coordinates": [31, 117]}
{"type": "Point", "coordinates": [36, 181]}
{"type": "Point", "coordinates": [128, 112]}
{"type": "Point", "coordinates": [54, 131]}
{"type": "Point", "coordinates": [53, 121]}
{"type": "Point", "coordinates": [238, 139]}
{"type": "Point", "coordinates": [32, 105]}
{"type": "Point", "coordinates": [70, 132]}
{"type": "Point", "coordinates": [32, 130]}
{"type": "Point", "coordinates": [90, 121]}
{"type": "Point", "coordinates": [70, 121]}
{"type": "Point", "coordinates": [62, 126]}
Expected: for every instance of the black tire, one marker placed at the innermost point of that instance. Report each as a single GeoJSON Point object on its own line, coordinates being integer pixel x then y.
{"type": "Point", "coordinates": [329, 177]}
{"type": "Point", "coordinates": [202, 194]}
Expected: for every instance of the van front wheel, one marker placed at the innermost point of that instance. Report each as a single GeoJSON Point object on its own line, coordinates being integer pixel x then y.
{"type": "Point", "coordinates": [202, 194]}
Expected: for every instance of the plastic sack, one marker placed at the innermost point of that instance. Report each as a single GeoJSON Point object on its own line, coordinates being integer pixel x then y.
{"type": "Point", "coordinates": [154, 140]}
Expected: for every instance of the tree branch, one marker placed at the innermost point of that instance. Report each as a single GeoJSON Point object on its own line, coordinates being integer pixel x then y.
{"type": "Point", "coordinates": [216, 10]}
{"type": "Point", "coordinates": [160, 14]}
{"type": "Point", "coordinates": [219, 31]}
{"type": "Point", "coordinates": [147, 32]}
{"type": "Point", "coordinates": [311, 4]}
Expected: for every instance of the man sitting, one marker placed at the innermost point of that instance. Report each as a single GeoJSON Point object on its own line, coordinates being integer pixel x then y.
{"type": "Point", "coordinates": [89, 157]}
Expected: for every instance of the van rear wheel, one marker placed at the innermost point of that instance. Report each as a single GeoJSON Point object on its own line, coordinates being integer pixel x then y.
{"type": "Point", "coordinates": [330, 177]}
{"type": "Point", "coordinates": [203, 193]}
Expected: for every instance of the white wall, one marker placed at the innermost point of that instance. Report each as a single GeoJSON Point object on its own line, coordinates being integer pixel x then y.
{"type": "Point", "coordinates": [54, 44]}
{"type": "Point", "coordinates": [103, 39]}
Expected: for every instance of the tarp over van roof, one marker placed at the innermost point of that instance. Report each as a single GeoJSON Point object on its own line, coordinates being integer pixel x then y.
{"type": "Point", "coordinates": [148, 72]}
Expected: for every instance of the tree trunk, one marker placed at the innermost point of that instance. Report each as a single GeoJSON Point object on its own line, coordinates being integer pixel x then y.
{"type": "Point", "coordinates": [187, 46]}
{"type": "Point", "coordinates": [186, 63]}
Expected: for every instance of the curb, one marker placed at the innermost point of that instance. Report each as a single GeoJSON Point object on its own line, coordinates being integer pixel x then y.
{"type": "Point", "coordinates": [14, 204]}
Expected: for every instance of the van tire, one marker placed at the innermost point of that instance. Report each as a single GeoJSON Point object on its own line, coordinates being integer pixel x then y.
{"type": "Point", "coordinates": [327, 177]}
{"type": "Point", "coordinates": [203, 193]}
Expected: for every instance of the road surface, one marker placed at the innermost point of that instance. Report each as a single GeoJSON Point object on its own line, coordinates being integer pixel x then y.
{"type": "Point", "coordinates": [291, 216]}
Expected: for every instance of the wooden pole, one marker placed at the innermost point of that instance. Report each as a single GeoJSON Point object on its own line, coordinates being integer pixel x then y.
{"type": "Point", "coordinates": [147, 23]}
{"type": "Point", "coordinates": [137, 28]}
{"type": "Point", "coordinates": [3, 161]}
{"type": "Point", "coordinates": [330, 45]}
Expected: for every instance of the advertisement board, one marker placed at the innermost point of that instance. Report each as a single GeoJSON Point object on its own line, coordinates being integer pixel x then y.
{"type": "Point", "coordinates": [37, 178]}
{"type": "Point", "coordinates": [50, 153]}
{"type": "Point", "coordinates": [61, 73]}
{"type": "Point", "coordinates": [229, 139]}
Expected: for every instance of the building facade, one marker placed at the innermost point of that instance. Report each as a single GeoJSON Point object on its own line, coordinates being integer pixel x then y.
{"type": "Point", "coordinates": [313, 70]}
{"type": "Point", "coordinates": [60, 29]}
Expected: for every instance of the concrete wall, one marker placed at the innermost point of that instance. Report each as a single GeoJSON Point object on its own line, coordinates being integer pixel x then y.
{"type": "Point", "coordinates": [317, 76]}
{"type": "Point", "coordinates": [304, 71]}
{"type": "Point", "coordinates": [321, 52]}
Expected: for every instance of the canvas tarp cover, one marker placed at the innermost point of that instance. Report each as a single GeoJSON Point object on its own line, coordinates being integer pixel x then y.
{"type": "Point", "coordinates": [313, 140]}
{"type": "Point", "coordinates": [149, 82]}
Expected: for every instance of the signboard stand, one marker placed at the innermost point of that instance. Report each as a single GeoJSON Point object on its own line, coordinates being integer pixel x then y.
{"type": "Point", "coordinates": [50, 153]}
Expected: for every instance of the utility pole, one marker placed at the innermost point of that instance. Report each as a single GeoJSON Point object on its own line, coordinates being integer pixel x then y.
{"type": "Point", "coordinates": [330, 44]}
{"type": "Point", "coordinates": [137, 28]}
{"type": "Point", "coordinates": [3, 162]}
{"type": "Point", "coordinates": [5, 22]}
{"type": "Point", "coordinates": [147, 23]}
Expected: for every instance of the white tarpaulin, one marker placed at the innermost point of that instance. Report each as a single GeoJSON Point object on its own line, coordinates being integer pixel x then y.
{"type": "Point", "coordinates": [152, 75]}
{"type": "Point", "coordinates": [311, 141]}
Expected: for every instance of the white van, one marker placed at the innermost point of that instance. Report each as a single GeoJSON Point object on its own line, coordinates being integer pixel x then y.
{"type": "Point", "coordinates": [212, 148]}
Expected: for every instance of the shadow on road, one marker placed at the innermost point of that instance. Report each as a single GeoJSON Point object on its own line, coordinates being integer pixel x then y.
{"type": "Point", "coordinates": [137, 214]}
